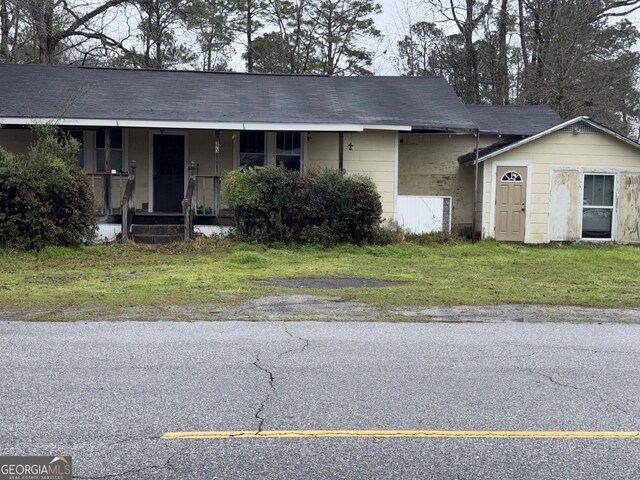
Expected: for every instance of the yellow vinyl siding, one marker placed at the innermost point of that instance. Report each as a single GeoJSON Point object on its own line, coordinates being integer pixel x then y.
{"type": "Point", "coordinates": [373, 155]}
{"type": "Point", "coordinates": [201, 151]}
{"type": "Point", "coordinates": [322, 151]}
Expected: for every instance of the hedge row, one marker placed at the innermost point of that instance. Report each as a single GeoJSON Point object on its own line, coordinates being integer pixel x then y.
{"type": "Point", "coordinates": [272, 204]}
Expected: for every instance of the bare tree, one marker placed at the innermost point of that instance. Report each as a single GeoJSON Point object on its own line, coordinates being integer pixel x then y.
{"type": "Point", "coordinates": [467, 15]}
{"type": "Point", "coordinates": [56, 21]}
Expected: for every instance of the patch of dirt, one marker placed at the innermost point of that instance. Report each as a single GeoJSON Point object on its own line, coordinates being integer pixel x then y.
{"type": "Point", "coordinates": [329, 283]}
{"type": "Point", "coordinates": [53, 278]}
{"type": "Point", "coordinates": [305, 307]}
{"type": "Point", "coordinates": [523, 313]}
{"type": "Point", "coordinates": [330, 308]}
{"type": "Point", "coordinates": [122, 276]}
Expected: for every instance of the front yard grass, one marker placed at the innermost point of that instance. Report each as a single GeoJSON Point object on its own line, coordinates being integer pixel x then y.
{"type": "Point", "coordinates": [115, 277]}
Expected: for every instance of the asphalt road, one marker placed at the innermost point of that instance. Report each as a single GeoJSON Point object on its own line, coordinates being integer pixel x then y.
{"type": "Point", "coordinates": [105, 393]}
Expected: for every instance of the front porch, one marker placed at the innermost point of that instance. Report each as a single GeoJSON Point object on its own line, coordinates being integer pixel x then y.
{"type": "Point", "coordinates": [141, 171]}
{"type": "Point", "coordinates": [199, 208]}
{"type": "Point", "coordinates": [155, 186]}
{"type": "Point", "coordinates": [144, 177]}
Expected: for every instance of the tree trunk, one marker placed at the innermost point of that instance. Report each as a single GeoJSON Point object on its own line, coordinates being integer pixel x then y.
{"type": "Point", "coordinates": [249, 37]}
{"type": "Point", "coordinates": [5, 27]}
{"type": "Point", "coordinates": [503, 65]}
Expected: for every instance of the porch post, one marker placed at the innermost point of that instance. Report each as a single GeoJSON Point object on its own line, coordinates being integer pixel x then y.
{"type": "Point", "coordinates": [475, 188]}
{"type": "Point", "coordinates": [107, 169]}
{"type": "Point", "coordinates": [216, 173]}
{"type": "Point", "coordinates": [216, 150]}
{"type": "Point", "coordinates": [341, 151]}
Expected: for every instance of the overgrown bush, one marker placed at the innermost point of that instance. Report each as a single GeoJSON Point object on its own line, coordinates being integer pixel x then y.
{"type": "Point", "coordinates": [45, 199]}
{"type": "Point", "coordinates": [325, 207]}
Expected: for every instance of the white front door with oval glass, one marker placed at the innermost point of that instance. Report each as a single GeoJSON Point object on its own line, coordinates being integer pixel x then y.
{"type": "Point", "coordinates": [511, 205]}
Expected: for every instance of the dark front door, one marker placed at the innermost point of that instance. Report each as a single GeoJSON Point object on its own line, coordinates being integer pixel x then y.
{"type": "Point", "coordinates": [168, 173]}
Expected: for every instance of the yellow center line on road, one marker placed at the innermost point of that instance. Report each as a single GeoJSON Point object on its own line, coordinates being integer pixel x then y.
{"type": "Point", "coordinates": [394, 434]}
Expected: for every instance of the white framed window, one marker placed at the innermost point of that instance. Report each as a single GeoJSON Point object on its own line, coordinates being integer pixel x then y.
{"type": "Point", "coordinates": [598, 196]}
{"type": "Point", "coordinates": [289, 150]}
{"type": "Point", "coordinates": [252, 149]}
{"type": "Point", "coordinates": [117, 150]}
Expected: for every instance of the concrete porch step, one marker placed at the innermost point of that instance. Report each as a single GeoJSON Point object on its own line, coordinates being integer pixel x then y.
{"type": "Point", "coordinates": [157, 234]}
{"type": "Point", "coordinates": [157, 239]}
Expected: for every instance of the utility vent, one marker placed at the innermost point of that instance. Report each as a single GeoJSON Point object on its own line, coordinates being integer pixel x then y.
{"type": "Point", "coordinates": [579, 128]}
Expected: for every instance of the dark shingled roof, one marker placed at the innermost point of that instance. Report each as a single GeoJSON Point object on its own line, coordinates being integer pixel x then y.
{"type": "Point", "coordinates": [514, 120]}
{"type": "Point", "coordinates": [42, 91]}
{"type": "Point", "coordinates": [470, 158]}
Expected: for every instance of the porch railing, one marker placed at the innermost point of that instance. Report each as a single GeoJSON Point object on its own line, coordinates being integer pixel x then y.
{"type": "Point", "coordinates": [207, 196]}
{"type": "Point", "coordinates": [128, 206]}
{"type": "Point", "coordinates": [189, 204]}
{"type": "Point", "coordinates": [106, 187]}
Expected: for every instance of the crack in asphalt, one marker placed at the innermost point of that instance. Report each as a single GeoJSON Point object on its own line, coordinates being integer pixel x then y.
{"type": "Point", "coordinates": [557, 347]}
{"type": "Point", "coordinates": [602, 398]}
{"type": "Point", "coordinates": [272, 385]}
{"type": "Point", "coordinates": [301, 349]}
{"type": "Point", "coordinates": [502, 357]}
{"type": "Point", "coordinates": [134, 471]}
{"type": "Point", "coordinates": [131, 439]}
{"type": "Point", "coordinates": [272, 379]}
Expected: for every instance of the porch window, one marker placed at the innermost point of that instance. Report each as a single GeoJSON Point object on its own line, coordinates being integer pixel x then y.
{"type": "Point", "coordinates": [117, 151]}
{"type": "Point", "coordinates": [597, 206]}
{"type": "Point", "coordinates": [252, 151]}
{"type": "Point", "coordinates": [289, 150]}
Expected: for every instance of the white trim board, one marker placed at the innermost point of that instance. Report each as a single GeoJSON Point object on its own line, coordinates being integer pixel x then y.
{"type": "Point", "coordinates": [191, 125]}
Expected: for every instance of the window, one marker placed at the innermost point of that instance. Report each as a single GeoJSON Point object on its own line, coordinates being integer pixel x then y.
{"type": "Point", "coordinates": [288, 150]}
{"type": "Point", "coordinates": [597, 206]}
{"type": "Point", "coordinates": [252, 149]}
{"type": "Point", "coordinates": [79, 136]}
{"type": "Point", "coordinates": [117, 150]}
{"type": "Point", "coordinates": [512, 177]}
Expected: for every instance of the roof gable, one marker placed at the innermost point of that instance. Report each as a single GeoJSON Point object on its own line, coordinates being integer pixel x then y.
{"type": "Point", "coordinates": [509, 144]}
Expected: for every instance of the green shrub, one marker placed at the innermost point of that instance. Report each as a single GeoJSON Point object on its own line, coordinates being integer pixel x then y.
{"type": "Point", "coordinates": [326, 207]}
{"type": "Point", "coordinates": [45, 200]}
